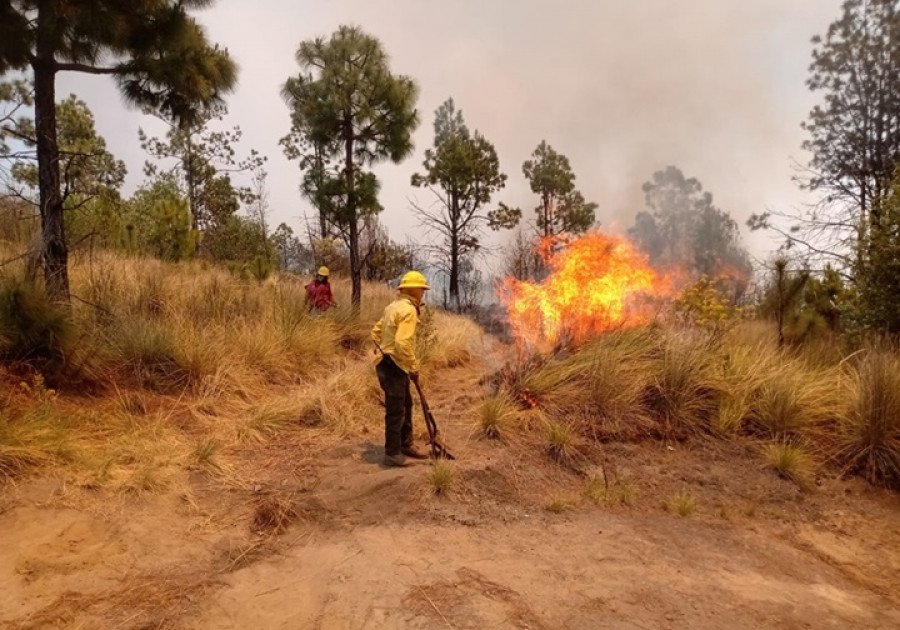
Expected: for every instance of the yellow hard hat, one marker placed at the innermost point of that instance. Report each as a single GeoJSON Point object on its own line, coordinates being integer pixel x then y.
{"type": "Point", "coordinates": [413, 280]}
{"type": "Point", "coordinates": [323, 271]}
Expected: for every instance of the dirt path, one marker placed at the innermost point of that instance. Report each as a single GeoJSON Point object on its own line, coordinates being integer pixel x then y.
{"type": "Point", "coordinates": [371, 548]}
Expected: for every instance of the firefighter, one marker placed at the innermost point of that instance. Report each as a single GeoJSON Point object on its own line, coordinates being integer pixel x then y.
{"type": "Point", "coordinates": [397, 365]}
{"type": "Point", "coordinates": [318, 292]}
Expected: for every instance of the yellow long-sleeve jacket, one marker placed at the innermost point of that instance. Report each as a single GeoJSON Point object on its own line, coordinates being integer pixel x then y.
{"type": "Point", "coordinates": [395, 333]}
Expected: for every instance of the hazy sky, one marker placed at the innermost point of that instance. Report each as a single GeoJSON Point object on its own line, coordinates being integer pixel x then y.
{"type": "Point", "coordinates": [716, 87]}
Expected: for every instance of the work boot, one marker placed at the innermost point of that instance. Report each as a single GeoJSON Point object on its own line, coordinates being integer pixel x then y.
{"type": "Point", "coordinates": [397, 460]}
{"type": "Point", "coordinates": [411, 451]}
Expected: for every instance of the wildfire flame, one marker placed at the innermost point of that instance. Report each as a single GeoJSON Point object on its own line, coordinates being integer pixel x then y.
{"type": "Point", "coordinates": [596, 282]}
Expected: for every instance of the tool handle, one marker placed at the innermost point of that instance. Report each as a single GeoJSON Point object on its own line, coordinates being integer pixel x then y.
{"type": "Point", "coordinates": [421, 393]}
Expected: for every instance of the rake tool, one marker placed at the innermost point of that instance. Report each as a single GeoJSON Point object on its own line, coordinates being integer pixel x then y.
{"type": "Point", "coordinates": [438, 448]}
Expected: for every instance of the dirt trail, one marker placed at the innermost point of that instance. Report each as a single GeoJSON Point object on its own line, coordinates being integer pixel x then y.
{"type": "Point", "coordinates": [373, 549]}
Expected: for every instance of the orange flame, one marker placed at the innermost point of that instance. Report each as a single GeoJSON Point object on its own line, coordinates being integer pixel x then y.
{"type": "Point", "coordinates": [596, 282]}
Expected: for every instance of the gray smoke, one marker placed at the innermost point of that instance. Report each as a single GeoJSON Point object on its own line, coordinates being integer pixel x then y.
{"type": "Point", "coordinates": [623, 88]}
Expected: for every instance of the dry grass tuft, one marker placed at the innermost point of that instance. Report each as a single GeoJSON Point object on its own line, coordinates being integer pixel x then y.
{"type": "Point", "coordinates": [273, 514]}
{"type": "Point", "coordinates": [37, 437]}
{"type": "Point", "coordinates": [867, 439]}
{"type": "Point", "coordinates": [682, 503]}
{"type": "Point", "coordinates": [205, 453]}
{"type": "Point", "coordinates": [600, 492]}
{"type": "Point", "coordinates": [560, 442]}
{"type": "Point", "coordinates": [441, 478]}
{"type": "Point", "coordinates": [684, 390]}
{"type": "Point", "coordinates": [496, 414]}
{"type": "Point", "coordinates": [790, 462]}
{"type": "Point", "coordinates": [794, 400]}
{"type": "Point", "coordinates": [558, 505]}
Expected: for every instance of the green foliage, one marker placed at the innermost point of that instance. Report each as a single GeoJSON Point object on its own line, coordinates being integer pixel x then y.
{"type": "Point", "coordinates": [824, 299]}
{"type": "Point", "coordinates": [102, 219]}
{"type": "Point", "coordinates": [803, 305]}
{"type": "Point", "coordinates": [170, 236]}
{"type": "Point", "coordinates": [156, 50]}
{"type": "Point", "coordinates": [158, 54]}
{"type": "Point", "coordinates": [290, 252]}
{"type": "Point", "coordinates": [32, 327]}
{"type": "Point", "coordinates": [562, 208]}
{"type": "Point", "coordinates": [382, 259]}
{"type": "Point", "coordinates": [854, 143]}
{"type": "Point", "coordinates": [87, 168]}
{"type": "Point", "coordinates": [331, 252]}
{"type": "Point", "coordinates": [702, 304]}
{"type": "Point", "coordinates": [236, 240]}
{"type": "Point", "coordinates": [202, 161]}
{"type": "Point", "coordinates": [854, 138]}
{"type": "Point", "coordinates": [15, 95]}
{"type": "Point", "coordinates": [878, 274]}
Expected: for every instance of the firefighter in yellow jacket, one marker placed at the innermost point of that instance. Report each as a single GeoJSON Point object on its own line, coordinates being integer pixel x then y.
{"type": "Point", "coordinates": [395, 336]}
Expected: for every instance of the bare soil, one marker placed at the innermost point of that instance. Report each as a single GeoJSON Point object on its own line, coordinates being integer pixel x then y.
{"type": "Point", "coordinates": [308, 531]}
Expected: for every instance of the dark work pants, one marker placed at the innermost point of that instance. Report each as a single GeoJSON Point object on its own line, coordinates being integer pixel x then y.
{"type": "Point", "coordinates": [397, 406]}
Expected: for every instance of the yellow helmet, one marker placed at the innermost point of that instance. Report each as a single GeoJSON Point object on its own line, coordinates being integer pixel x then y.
{"type": "Point", "coordinates": [323, 271]}
{"type": "Point", "coordinates": [413, 280]}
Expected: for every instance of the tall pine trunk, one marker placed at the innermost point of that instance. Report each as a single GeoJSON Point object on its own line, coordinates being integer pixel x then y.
{"type": "Point", "coordinates": [188, 165]}
{"type": "Point", "coordinates": [548, 230]}
{"type": "Point", "coordinates": [54, 251]}
{"type": "Point", "coordinates": [319, 166]}
{"type": "Point", "coordinates": [355, 267]}
{"type": "Point", "coordinates": [454, 272]}
{"type": "Point", "coordinates": [454, 253]}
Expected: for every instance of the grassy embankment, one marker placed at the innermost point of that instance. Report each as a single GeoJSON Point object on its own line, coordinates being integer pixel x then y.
{"type": "Point", "coordinates": [160, 368]}
{"type": "Point", "coordinates": [811, 410]}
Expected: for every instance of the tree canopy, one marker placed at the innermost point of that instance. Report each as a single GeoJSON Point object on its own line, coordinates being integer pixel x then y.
{"type": "Point", "coordinates": [347, 104]}
{"type": "Point", "coordinates": [462, 170]}
{"type": "Point", "coordinates": [562, 207]}
{"type": "Point", "coordinates": [155, 50]}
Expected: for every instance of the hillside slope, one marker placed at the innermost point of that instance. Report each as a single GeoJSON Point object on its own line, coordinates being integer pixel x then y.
{"type": "Point", "coordinates": [303, 529]}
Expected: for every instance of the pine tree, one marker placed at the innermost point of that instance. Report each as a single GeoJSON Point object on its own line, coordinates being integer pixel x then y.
{"type": "Point", "coordinates": [359, 113]}
{"type": "Point", "coordinates": [157, 53]}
